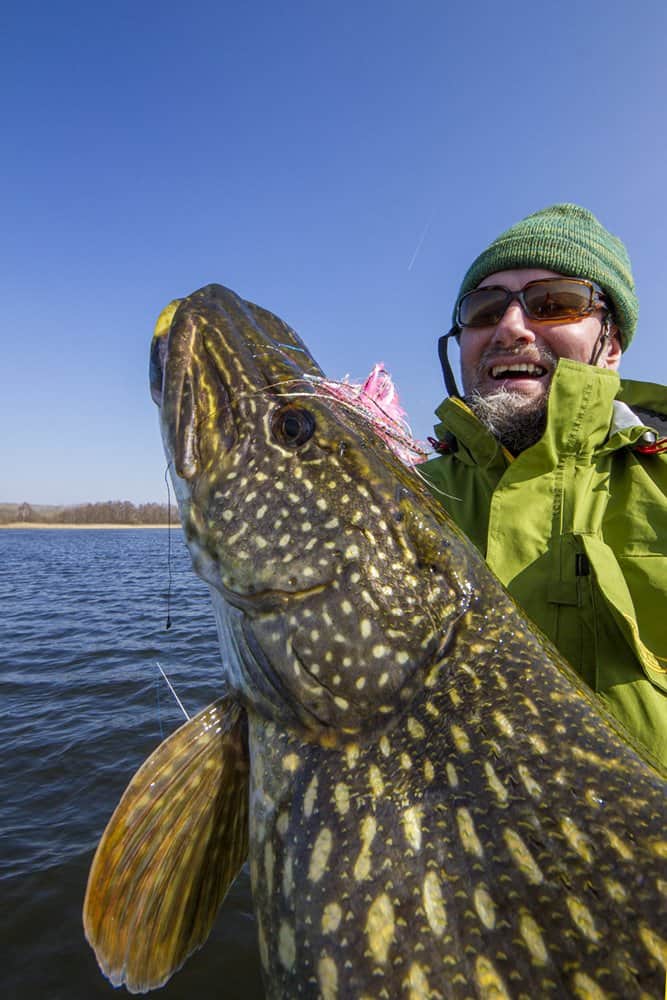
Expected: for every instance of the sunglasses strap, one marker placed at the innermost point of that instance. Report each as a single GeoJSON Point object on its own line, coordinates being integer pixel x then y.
{"type": "Point", "coordinates": [448, 374]}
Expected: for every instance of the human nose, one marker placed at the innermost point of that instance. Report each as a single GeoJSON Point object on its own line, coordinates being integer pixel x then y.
{"type": "Point", "coordinates": [513, 326]}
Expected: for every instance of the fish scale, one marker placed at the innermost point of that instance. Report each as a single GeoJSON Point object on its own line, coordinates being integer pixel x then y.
{"type": "Point", "coordinates": [437, 807]}
{"type": "Point", "coordinates": [497, 889]}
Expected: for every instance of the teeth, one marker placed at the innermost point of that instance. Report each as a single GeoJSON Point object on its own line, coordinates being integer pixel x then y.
{"type": "Point", "coordinates": [530, 369]}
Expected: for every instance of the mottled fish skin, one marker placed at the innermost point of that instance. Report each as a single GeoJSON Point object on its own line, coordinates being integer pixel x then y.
{"type": "Point", "coordinates": [437, 807]}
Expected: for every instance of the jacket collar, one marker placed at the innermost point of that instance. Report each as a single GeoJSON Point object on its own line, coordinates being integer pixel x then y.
{"type": "Point", "coordinates": [580, 418]}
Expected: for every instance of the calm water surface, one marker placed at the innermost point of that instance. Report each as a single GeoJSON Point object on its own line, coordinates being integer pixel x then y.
{"type": "Point", "coordinates": [82, 624]}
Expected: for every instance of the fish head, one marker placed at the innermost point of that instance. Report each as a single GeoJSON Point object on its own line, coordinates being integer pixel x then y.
{"type": "Point", "coordinates": [336, 589]}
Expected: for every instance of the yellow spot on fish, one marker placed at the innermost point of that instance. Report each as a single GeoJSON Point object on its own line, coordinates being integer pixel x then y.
{"type": "Point", "coordinates": [654, 944]}
{"type": "Point", "coordinates": [375, 780]}
{"type": "Point", "coordinates": [380, 651]}
{"type": "Point", "coordinates": [495, 784]}
{"type": "Point", "coordinates": [432, 709]}
{"type": "Point", "coordinates": [286, 946]}
{"type": "Point", "coordinates": [522, 857]}
{"type": "Point", "coordinates": [282, 824]}
{"type": "Point", "coordinates": [502, 683]}
{"type": "Point", "coordinates": [582, 918]}
{"type": "Point", "coordinates": [416, 982]}
{"type": "Point", "coordinates": [346, 608]}
{"type": "Point", "coordinates": [454, 697]}
{"type": "Point", "coordinates": [385, 746]}
{"type": "Point", "coordinates": [489, 980]}
{"type": "Point", "coordinates": [460, 737]}
{"type": "Point", "coordinates": [531, 706]}
{"type": "Point", "coordinates": [452, 776]}
{"type": "Point", "coordinates": [263, 949]}
{"type": "Point", "coordinates": [331, 918]}
{"type": "Point", "coordinates": [365, 628]}
{"type": "Point", "coordinates": [269, 860]}
{"type": "Point", "coordinates": [586, 988]}
{"type": "Point", "coordinates": [342, 798]}
{"type": "Point", "coordinates": [284, 540]}
{"type": "Point", "coordinates": [341, 702]}
{"type": "Point", "coordinates": [621, 848]}
{"type": "Point", "coordinates": [352, 552]}
{"type": "Point", "coordinates": [360, 683]}
{"type": "Point", "coordinates": [537, 743]}
{"type": "Point", "coordinates": [429, 773]}
{"type": "Point", "coordinates": [486, 908]}
{"type": "Point", "coordinates": [309, 797]}
{"type": "Point", "coordinates": [529, 783]}
{"type": "Point", "coordinates": [406, 762]}
{"type": "Point", "coordinates": [532, 937]}
{"type": "Point", "coordinates": [412, 826]}
{"type": "Point", "coordinates": [291, 763]}
{"type": "Point", "coordinates": [615, 890]}
{"type": "Point", "coordinates": [380, 927]}
{"type": "Point", "coordinates": [320, 855]}
{"type": "Point", "coordinates": [576, 839]}
{"type": "Point", "coordinates": [362, 866]}
{"type": "Point", "coordinates": [327, 974]}
{"type": "Point", "coordinates": [288, 875]}
{"type": "Point", "coordinates": [352, 754]}
{"type": "Point", "coordinates": [434, 906]}
{"type": "Point", "coordinates": [503, 723]}
{"type": "Point", "coordinates": [416, 729]}
{"type": "Point", "coordinates": [659, 848]}
{"type": "Point", "coordinates": [467, 833]}
{"type": "Point", "coordinates": [402, 657]}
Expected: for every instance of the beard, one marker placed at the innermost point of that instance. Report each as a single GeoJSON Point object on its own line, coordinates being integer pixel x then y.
{"type": "Point", "coordinates": [516, 420]}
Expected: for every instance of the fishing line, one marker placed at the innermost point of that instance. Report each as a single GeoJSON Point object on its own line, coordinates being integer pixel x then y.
{"type": "Point", "coordinates": [171, 688]}
{"type": "Point", "coordinates": [166, 479]}
{"type": "Point", "coordinates": [159, 707]}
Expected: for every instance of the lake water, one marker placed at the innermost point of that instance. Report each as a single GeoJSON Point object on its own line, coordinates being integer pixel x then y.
{"type": "Point", "coordinates": [82, 624]}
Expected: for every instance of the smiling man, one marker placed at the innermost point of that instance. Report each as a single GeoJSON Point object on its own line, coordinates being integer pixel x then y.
{"type": "Point", "coordinates": [554, 466]}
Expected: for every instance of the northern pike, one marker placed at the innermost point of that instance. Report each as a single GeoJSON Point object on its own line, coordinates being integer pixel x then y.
{"type": "Point", "coordinates": [432, 803]}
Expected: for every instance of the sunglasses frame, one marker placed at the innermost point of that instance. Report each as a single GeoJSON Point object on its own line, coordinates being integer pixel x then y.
{"type": "Point", "coordinates": [596, 301]}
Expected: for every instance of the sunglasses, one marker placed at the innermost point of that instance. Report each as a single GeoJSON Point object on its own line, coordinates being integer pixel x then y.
{"type": "Point", "coordinates": [545, 300]}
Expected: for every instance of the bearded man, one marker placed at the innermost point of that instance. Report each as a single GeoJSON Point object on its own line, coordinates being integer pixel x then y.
{"type": "Point", "coordinates": [554, 466]}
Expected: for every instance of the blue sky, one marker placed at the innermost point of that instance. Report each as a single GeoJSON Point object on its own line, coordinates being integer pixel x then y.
{"type": "Point", "coordinates": [340, 164]}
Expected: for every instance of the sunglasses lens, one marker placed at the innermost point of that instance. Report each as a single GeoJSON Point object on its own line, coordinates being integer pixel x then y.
{"type": "Point", "coordinates": [483, 306]}
{"type": "Point", "coordinates": [557, 299]}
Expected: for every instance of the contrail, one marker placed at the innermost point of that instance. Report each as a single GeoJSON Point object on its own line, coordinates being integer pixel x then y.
{"type": "Point", "coordinates": [419, 245]}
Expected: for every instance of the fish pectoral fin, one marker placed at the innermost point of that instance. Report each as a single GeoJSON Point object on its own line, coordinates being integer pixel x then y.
{"type": "Point", "coordinates": [171, 850]}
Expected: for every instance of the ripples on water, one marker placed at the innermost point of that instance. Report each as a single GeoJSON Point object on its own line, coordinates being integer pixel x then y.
{"type": "Point", "coordinates": [82, 624]}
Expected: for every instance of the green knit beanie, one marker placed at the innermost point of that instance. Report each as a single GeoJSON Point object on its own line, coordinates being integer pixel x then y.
{"type": "Point", "coordinates": [570, 240]}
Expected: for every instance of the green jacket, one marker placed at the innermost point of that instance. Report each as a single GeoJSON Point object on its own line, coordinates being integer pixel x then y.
{"type": "Point", "coordinates": [576, 528]}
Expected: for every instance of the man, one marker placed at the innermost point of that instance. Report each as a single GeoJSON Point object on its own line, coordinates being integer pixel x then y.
{"type": "Point", "coordinates": [553, 466]}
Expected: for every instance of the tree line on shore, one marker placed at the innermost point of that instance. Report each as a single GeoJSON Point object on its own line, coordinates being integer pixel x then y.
{"type": "Point", "coordinates": [106, 512]}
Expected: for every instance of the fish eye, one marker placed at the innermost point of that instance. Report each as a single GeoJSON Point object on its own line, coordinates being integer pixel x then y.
{"type": "Point", "coordinates": [292, 425]}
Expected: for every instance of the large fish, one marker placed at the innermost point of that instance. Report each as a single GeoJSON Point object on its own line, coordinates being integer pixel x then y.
{"type": "Point", "coordinates": [436, 807]}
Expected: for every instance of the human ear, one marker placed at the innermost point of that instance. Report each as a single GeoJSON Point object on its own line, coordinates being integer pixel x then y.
{"type": "Point", "coordinates": [612, 357]}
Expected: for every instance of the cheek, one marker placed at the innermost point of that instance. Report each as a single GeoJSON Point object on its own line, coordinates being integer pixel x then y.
{"type": "Point", "coordinates": [471, 350]}
{"type": "Point", "coordinates": [569, 346]}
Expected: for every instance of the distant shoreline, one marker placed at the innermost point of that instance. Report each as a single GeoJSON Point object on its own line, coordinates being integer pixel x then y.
{"type": "Point", "coordinates": [43, 525]}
